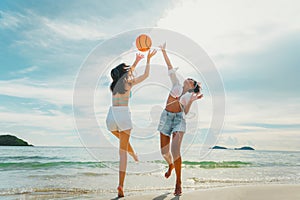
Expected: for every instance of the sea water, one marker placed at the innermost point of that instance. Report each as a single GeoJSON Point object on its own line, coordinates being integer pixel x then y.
{"type": "Point", "coordinates": [74, 173]}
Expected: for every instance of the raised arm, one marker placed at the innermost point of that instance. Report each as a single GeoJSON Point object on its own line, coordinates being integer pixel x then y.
{"type": "Point", "coordinates": [171, 70]}
{"type": "Point", "coordinates": [167, 60]}
{"type": "Point", "coordinates": [138, 57]}
{"type": "Point", "coordinates": [147, 69]}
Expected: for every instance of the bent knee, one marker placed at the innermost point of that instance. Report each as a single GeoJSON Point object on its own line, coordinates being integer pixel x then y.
{"type": "Point", "coordinates": [165, 153]}
{"type": "Point", "coordinates": [176, 153]}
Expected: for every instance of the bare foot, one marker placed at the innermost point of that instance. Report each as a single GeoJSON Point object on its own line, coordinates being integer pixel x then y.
{"type": "Point", "coordinates": [135, 157]}
{"type": "Point", "coordinates": [178, 190]}
{"type": "Point", "coordinates": [168, 173]}
{"type": "Point", "coordinates": [120, 191]}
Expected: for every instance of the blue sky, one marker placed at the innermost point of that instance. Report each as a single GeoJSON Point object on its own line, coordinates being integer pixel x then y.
{"type": "Point", "coordinates": [255, 46]}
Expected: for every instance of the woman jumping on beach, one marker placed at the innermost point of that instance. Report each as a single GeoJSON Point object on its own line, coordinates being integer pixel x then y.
{"type": "Point", "coordinates": [118, 120]}
{"type": "Point", "coordinates": [172, 122]}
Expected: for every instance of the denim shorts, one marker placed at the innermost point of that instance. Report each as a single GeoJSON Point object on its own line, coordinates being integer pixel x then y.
{"type": "Point", "coordinates": [171, 122]}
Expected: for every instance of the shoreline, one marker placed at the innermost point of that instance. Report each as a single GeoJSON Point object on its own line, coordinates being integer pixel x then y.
{"type": "Point", "coordinates": [249, 192]}
{"type": "Point", "coordinates": [238, 192]}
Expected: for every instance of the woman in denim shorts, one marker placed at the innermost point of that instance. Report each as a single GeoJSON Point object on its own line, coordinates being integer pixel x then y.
{"type": "Point", "coordinates": [172, 122]}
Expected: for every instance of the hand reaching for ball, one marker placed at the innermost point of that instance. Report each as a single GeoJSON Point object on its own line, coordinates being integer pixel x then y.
{"type": "Point", "coordinates": [151, 54]}
{"type": "Point", "coordinates": [139, 57]}
{"type": "Point", "coordinates": [163, 46]}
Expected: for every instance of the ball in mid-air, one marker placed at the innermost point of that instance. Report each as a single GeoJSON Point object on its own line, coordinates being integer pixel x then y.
{"type": "Point", "coordinates": [143, 42]}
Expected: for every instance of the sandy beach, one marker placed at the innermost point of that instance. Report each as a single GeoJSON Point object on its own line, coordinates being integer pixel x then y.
{"type": "Point", "coordinates": [257, 192]}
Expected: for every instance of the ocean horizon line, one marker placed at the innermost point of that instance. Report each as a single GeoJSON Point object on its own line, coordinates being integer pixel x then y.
{"type": "Point", "coordinates": [94, 147]}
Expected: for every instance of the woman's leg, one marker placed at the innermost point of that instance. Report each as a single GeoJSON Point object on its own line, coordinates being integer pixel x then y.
{"type": "Point", "coordinates": [130, 149]}
{"type": "Point", "coordinates": [175, 149]}
{"type": "Point", "coordinates": [165, 152]}
{"type": "Point", "coordinates": [124, 140]}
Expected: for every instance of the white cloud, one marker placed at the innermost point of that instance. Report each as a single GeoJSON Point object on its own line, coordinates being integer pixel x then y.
{"type": "Point", "coordinates": [10, 20]}
{"type": "Point", "coordinates": [245, 120]}
{"type": "Point", "coordinates": [26, 89]}
{"type": "Point", "coordinates": [42, 26]}
{"type": "Point", "coordinates": [58, 122]}
{"type": "Point", "coordinates": [263, 140]}
{"type": "Point", "coordinates": [255, 110]}
{"type": "Point", "coordinates": [230, 27]}
{"type": "Point", "coordinates": [88, 30]}
{"type": "Point", "coordinates": [26, 70]}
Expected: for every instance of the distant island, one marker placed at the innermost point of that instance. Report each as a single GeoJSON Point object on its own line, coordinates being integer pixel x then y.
{"type": "Point", "coordinates": [218, 147]}
{"type": "Point", "coordinates": [242, 148]}
{"type": "Point", "coordinates": [10, 140]}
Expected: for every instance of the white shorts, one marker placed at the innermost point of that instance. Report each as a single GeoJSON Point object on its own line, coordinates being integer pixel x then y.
{"type": "Point", "coordinates": [118, 118]}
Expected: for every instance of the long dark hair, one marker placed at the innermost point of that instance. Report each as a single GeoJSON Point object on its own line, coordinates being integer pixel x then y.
{"type": "Point", "coordinates": [119, 74]}
{"type": "Point", "coordinates": [196, 88]}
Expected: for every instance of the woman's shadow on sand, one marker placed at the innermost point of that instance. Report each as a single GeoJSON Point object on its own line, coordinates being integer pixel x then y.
{"type": "Point", "coordinates": [160, 197]}
{"type": "Point", "coordinates": [164, 196]}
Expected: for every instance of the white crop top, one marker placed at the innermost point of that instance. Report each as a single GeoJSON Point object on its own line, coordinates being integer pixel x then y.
{"type": "Point", "coordinates": [177, 88]}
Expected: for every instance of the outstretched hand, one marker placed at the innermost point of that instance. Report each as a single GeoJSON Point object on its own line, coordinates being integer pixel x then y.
{"type": "Point", "coordinates": [151, 54]}
{"type": "Point", "coordinates": [138, 57]}
{"type": "Point", "coordinates": [163, 46]}
{"type": "Point", "coordinates": [196, 96]}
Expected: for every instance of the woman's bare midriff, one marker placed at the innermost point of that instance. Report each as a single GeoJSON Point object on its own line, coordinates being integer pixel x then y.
{"type": "Point", "coordinates": [121, 99]}
{"type": "Point", "coordinates": [173, 105]}
{"type": "Point", "coordinates": [120, 104]}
